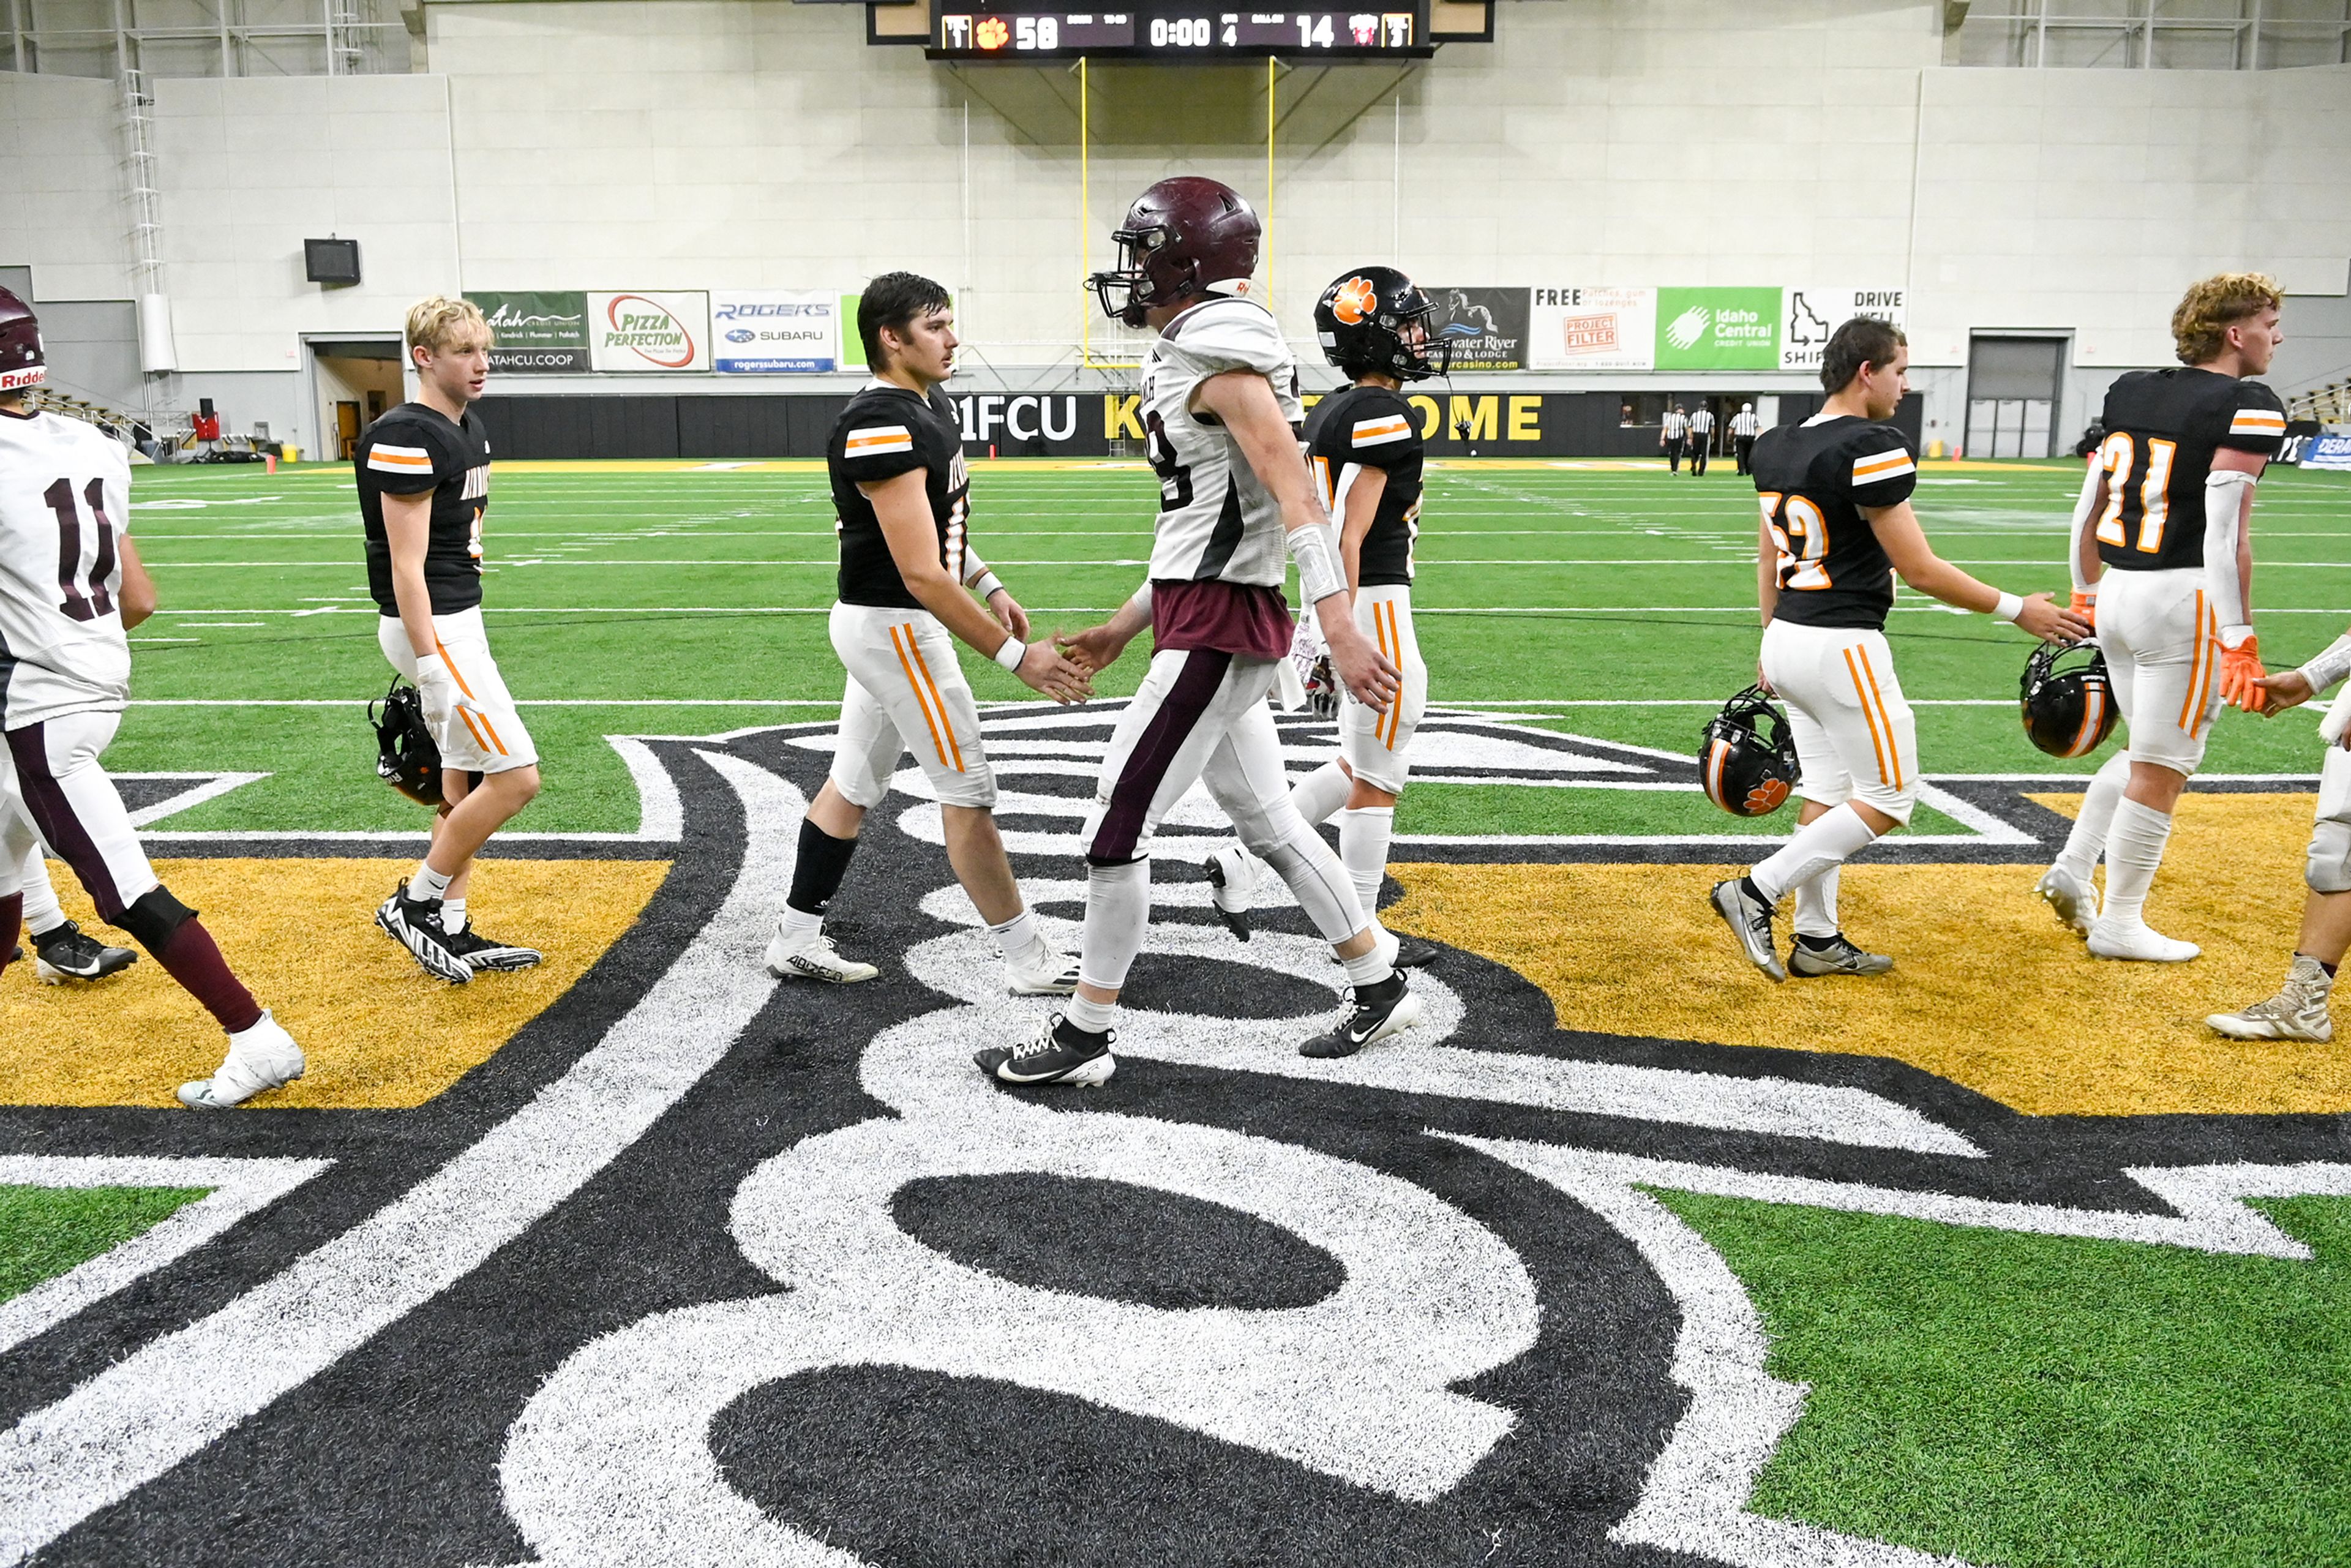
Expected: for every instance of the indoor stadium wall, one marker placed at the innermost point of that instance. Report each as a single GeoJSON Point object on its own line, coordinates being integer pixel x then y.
{"type": "Point", "coordinates": [712, 143]}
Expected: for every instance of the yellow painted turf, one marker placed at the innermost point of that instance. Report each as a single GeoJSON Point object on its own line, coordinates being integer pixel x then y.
{"type": "Point", "coordinates": [301, 934]}
{"type": "Point", "coordinates": [1987, 990]}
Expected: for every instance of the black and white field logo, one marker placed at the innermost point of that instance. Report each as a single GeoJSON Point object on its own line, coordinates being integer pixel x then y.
{"type": "Point", "coordinates": [703, 1268]}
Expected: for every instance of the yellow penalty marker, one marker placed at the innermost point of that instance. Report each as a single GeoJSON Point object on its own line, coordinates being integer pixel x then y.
{"type": "Point", "coordinates": [1987, 990]}
{"type": "Point", "coordinates": [301, 934]}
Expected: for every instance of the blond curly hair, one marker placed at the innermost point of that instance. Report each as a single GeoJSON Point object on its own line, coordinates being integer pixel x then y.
{"type": "Point", "coordinates": [2200, 328]}
{"type": "Point", "coordinates": [439, 322]}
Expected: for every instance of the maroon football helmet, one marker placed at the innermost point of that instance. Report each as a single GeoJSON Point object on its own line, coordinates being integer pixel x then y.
{"type": "Point", "coordinates": [22, 363]}
{"type": "Point", "coordinates": [1181, 236]}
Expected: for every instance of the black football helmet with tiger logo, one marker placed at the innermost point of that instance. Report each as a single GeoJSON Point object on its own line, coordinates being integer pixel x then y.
{"type": "Point", "coordinates": [2067, 699]}
{"type": "Point", "coordinates": [407, 756]}
{"type": "Point", "coordinates": [1375, 320]}
{"type": "Point", "coordinates": [1747, 760]}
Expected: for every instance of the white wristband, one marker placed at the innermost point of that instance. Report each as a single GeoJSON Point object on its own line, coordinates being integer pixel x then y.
{"type": "Point", "coordinates": [1012, 652]}
{"type": "Point", "coordinates": [986, 584]}
{"type": "Point", "coordinates": [2010, 607]}
{"type": "Point", "coordinates": [1315, 549]}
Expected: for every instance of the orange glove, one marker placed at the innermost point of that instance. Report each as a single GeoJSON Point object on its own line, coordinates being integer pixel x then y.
{"type": "Point", "coordinates": [2241, 666]}
{"type": "Point", "coordinates": [2085, 605]}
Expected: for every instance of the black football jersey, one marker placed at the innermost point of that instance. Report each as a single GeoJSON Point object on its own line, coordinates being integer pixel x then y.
{"type": "Point", "coordinates": [884, 431]}
{"type": "Point", "coordinates": [1371, 427]}
{"type": "Point", "coordinates": [413, 449]}
{"type": "Point", "coordinates": [2162, 428]}
{"type": "Point", "coordinates": [1813, 480]}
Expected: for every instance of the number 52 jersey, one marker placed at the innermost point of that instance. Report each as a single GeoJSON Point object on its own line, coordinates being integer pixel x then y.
{"type": "Point", "coordinates": [1815, 479]}
{"type": "Point", "coordinates": [65, 503]}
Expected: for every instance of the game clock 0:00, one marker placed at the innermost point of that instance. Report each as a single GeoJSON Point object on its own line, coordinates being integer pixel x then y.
{"type": "Point", "coordinates": [1178, 32]}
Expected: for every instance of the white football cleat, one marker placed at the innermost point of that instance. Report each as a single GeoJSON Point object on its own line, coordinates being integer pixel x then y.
{"type": "Point", "coordinates": [1232, 886]}
{"type": "Point", "coordinates": [262, 1058]}
{"type": "Point", "coordinates": [2297, 1012]}
{"type": "Point", "coordinates": [2136, 941]}
{"type": "Point", "coordinates": [2074, 901]}
{"type": "Point", "coordinates": [791, 956]}
{"type": "Point", "coordinates": [1047, 972]}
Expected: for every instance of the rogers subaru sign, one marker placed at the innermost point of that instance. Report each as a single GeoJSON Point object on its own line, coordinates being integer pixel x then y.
{"type": "Point", "coordinates": [775, 332]}
{"type": "Point", "coordinates": [644, 332]}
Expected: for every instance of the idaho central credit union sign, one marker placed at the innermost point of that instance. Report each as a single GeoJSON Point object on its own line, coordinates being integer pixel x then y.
{"type": "Point", "coordinates": [774, 332]}
{"type": "Point", "coordinates": [649, 332]}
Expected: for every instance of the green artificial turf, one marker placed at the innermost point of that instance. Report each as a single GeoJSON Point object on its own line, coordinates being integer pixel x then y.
{"type": "Point", "coordinates": [48, 1230]}
{"type": "Point", "coordinates": [653, 602]}
{"type": "Point", "coordinates": [2030, 1400]}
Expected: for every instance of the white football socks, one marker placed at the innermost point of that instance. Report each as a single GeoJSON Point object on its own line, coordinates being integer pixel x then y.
{"type": "Point", "coordinates": [427, 884]}
{"type": "Point", "coordinates": [43, 914]}
{"type": "Point", "coordinates": [1816, 911]}
{"type": "Point", "coordinates": [1363, 834]}
{"type": "Point", "coordinates": [2134, 851]}
{"type": "Point", "coordinates": [2087, 840]}
{"type": "Point", "coordinates": [1320, 883]}
{"type": "Point", "coordinates": [1374, 966]}
{"type": "Point", "coordinates": [1019, 938]}
{"type": "Point", "coordinates": [1321, 793]}
{"type": "Point", "coordinates": [797, 922]}
{"type": "Point", "coordinates": [1828, 840]}
{"type": "Point", "coordinates": [452, 915]}
{"type": "Point", "coordinates": [1118, 910]}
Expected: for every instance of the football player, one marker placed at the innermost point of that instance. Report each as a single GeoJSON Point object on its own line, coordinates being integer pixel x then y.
{"type": "Point", "coordinates": [2299, 1011]}
{"type": "Point", "coordinates": [1836, 528]}
{"type": "Point", "coordinates": [909, 580]}
{"type": "Point", "coordinates": [1363, 451]}
{"type": "Point", "coordinates": [2166, 511]}
{"type": "Point", "coordinates": [1220, 413]}
{"type": "Point", "coordinates": [425, 482]}
{"type": "Point", "coordinates": [72, 586]}
{"type": "Point", "coordinates": [62, 951]}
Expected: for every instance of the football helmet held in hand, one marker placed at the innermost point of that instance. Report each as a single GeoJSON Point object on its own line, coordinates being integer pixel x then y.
{"type": "Point", "coordinates": [1747, 760]}
{"type": "Point", "coordinates": [407, 756]}
{"type": "Point", "coordinates": [2067, 698]}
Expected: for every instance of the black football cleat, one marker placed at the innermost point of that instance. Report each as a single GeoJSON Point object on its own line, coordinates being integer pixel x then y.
{"type": "Point", "coordinates": [1412, 953]}
{"type": "Point", "coordinates": [1374, 1012]}
{"type": "Point", "coordinates": [1061, 1052]}
{"type": "Point", "coordinates": [482, 953]}
{"type": "Point", "coordinates": [1231, 879]}
{"type": "Point", "coordinates": [64, 953]}
{"type": "Point", "coordinates": [415, 925]}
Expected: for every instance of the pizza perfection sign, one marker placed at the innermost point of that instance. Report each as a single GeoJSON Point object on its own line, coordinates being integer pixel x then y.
{"type": "Point", "coordinates": [648, 333]}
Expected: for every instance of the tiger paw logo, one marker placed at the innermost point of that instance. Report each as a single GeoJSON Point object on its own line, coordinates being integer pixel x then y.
{"type": "Point", "coordinates": [1767, 797]}
{"type": "Point", "coordinates": [1355, 301]}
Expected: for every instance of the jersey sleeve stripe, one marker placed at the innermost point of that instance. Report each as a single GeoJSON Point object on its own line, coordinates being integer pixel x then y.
{"type": "Point", "coordinates": [2257, 422]}
{"type": "Point", "coordinates": [879, 438]}
{"type": "Point", "coordinates": [1885, 466]}
{"type": "Point", "coordinates": [400, 459]}
{"type": "Point", "coordinates": [1379, 431]}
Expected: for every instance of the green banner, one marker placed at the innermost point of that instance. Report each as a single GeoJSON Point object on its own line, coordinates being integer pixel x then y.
{"type": "Point", "coordinates": [1717, 328]}
{"type": "Point", "coordinates": [536, 331]}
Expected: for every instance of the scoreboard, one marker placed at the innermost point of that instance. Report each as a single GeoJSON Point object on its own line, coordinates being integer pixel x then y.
{"type": "Point", "coordinates": [1175, 32]}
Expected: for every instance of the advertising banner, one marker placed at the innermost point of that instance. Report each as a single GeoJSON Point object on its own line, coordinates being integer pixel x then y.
{"type": "Point", "coordinates": [1718, 329]}
{"type": "Point", "coordinates": [2327, 452]}
{"type": "Point", "coordinates": [641, 333]}
{"type": "Point", "coordinates": [774, 332]}
{"type": "Point", "coordinates": [1808, 316]}
{"type": "Point", "coordinates": [1487, 327]}
{"type": "Point", "coordinates": [536, 333]}
{"type": "Point", "coordinates": [1592, 329]}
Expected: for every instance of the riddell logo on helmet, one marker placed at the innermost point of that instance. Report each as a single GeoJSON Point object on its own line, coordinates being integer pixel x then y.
{"type": "Point", "coordinates": [1355, 301]}
{"type": "Point", "coordinates": [18, 380]}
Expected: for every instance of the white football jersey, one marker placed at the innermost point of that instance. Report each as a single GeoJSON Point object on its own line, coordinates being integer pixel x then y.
{"type": "Point", "coordinates": [1216, 521]}
{"type": "Point", "coordinates": [64, 501]}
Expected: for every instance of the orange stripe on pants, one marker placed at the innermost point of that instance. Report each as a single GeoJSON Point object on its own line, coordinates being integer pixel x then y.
{"type": "Point", "coordinates": [1868, 715]}
{"type": "Point", "coordinates": [914, 683]}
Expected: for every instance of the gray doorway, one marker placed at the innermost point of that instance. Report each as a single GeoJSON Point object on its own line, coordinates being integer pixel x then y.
{"type": "Point", "coordinates": [2014, 384]}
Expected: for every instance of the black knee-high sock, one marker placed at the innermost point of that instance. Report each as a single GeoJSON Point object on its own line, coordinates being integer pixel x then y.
{"type": "Point", "coordinates": [816, 876]}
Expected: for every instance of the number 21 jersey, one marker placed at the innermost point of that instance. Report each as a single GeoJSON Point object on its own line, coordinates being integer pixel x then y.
{"type": "Point", "coordinates": [64, 501]}
{"type": "Point", "coordinates": [2163, 430]}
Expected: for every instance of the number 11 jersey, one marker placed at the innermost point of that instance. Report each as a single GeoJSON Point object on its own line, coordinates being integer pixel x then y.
{"type": "Point", "coordinates": [64, 501]}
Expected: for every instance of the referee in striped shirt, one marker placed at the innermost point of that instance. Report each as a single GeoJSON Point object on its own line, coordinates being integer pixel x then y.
{"type": "Point", "coordinates": [1675, 436]}
{"type": "Point", "coordinates": [1744, 428]}
{"type": "Point", "coordinates": [1701, 439]}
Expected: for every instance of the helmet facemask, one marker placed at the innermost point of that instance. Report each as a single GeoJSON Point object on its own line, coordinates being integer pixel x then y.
{"type": "Point", "coordinates": [1136, 284]}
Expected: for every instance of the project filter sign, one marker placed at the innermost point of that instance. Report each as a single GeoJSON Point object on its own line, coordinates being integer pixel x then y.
{"type": "Point", "coordinates": [1581, 329]}
{"type": "Point", "coordinates": [775, 332]}
{"type": "Point", "coordinates": [1808, 316]}
{"type": "Point", "coordinates": [536, 333]}
{"type": "Point", "coordinates": [1486, 327]}
{"type": "Point", "coordinates": [1718, 329]}
{"type": "Point", "coordinates": [649, 332]}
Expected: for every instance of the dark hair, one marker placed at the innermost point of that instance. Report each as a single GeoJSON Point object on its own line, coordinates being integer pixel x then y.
{"type": "Point", "coordinates": [892, 301]}
{"type": "Point", "coordinates": [1864, 341]}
